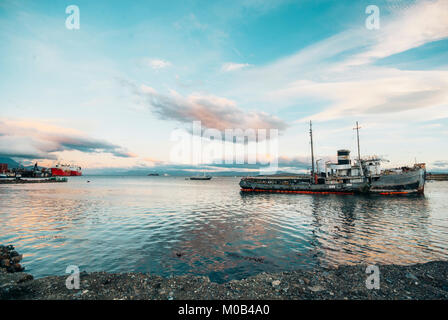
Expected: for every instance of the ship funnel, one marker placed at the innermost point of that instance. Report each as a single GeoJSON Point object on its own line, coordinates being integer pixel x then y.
{"type": "Point", "coordinates": [343, 156]}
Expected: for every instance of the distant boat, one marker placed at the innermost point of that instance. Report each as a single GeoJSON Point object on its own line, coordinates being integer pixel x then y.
{"type": "Point", "coordinates": [153, 174]}
{"type": "Point", "coordinates": [203, 177]}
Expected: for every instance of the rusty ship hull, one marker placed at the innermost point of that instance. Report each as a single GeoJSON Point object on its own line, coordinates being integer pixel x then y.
{"type": "Point", "coordinates": [408, 182]}
{"type": "Point", "coordinates": [294, 185]}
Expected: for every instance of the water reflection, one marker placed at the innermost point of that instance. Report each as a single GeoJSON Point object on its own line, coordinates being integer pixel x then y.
{"type": "Point", "coordinates": [356, 229]}
{"type": "Point", "coordinates": [172, 226]}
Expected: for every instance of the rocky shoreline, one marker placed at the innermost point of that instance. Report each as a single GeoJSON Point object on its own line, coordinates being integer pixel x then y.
{"type": "Point", "coordinates": [419, 281]}
{"type": "Point", "coordinates": [9, 259]}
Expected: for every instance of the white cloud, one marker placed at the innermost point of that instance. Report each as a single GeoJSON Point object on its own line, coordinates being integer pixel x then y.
{"type": "Point", "coordinates": [158, 63]}
{"type": "Point", "coordinates": [424, 22]}
{"type": "Point", "coordinates": [213, 112]}
{"type": "Point", "coordinates": [147, 89]}
{"type": "Point", "coordinates": [231, 66]}
{"type": "Point", "coordinates": [390, 91]}
{"type": "Point", "coordinates": [42, 140]}
{"type": "Point", "coordinates": [431, 126]}
{"type": "Point", "coordinates": [338, 71]}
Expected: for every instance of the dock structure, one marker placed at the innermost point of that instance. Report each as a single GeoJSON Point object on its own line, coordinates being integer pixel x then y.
{"type": "Point", "coordinates": [437, 176]}
{"type": "Point", "coordinates": [32, 180]}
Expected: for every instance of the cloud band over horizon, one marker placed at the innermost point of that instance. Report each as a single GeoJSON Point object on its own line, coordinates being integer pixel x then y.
{"type": "Point", "coordinates": [35, 140]}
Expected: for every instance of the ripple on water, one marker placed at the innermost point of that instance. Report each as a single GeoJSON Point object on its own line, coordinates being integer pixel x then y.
{"type": "Point", "coordinates": [173, 226]}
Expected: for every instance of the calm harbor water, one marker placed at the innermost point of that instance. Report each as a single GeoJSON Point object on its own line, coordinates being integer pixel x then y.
{"type": "Point", "coordinates": [172, 226]}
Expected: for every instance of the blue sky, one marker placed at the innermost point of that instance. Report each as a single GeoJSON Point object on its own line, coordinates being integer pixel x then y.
{"type": "Point", "coordinates": [111, 93]}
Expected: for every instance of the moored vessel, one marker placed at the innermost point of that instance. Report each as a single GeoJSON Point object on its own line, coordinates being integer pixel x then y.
{"type": "Point", "coordinates": [346, 176]}
{"type": "Point", "coordinates": [65, 170]}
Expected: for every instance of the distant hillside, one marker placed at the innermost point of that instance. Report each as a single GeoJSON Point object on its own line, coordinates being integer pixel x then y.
{"type": "Point", "coordinates": [10, 162]}
{"type": "Point", "coordinates": [172, 171]}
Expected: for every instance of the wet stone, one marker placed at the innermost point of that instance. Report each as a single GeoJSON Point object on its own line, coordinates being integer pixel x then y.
{"type": "Point", "coordinates": [9, 259]}
{"type": "Point", "coordinates": [275, 283]}
{"type": "Point", "coordinates": [411, 276]}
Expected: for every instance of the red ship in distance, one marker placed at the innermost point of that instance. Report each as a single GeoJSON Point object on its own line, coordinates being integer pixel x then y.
{"type": "Point", "coordinates": [66, 170]}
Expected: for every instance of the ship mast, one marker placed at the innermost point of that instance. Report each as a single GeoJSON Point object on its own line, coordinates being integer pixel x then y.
{"type": "Point", "coordinates": [312, 150]}
{"type": "Point", "coordinates": [357, 134]}
{"type": "Point", "coordinates": [359, 149]}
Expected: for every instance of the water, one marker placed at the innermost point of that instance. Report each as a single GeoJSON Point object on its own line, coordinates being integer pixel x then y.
{"type": "Point", "coordinates": [172, 226]}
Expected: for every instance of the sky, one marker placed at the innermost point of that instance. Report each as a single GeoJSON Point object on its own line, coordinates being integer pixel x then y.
{"type": "Point", "coordinates": [115, 93]}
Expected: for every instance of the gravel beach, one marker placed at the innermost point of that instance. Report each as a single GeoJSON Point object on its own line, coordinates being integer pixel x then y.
{"type": "Point", "coordinates": [419, 281]}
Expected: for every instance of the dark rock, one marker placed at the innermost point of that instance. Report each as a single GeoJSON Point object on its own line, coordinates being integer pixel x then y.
{"type": "Point", "coordinates": [25, 277]}
{"type": "Point", "coordinates": [18, 268]}
{"type": "Point", "coordinates": [17, 258]}
{"type": "Point", "coordinates": [9, 259]}
{"type": "Point", "coordinates": [411, 276]}
{"type": "Point", "coordinates": [5, 263]}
